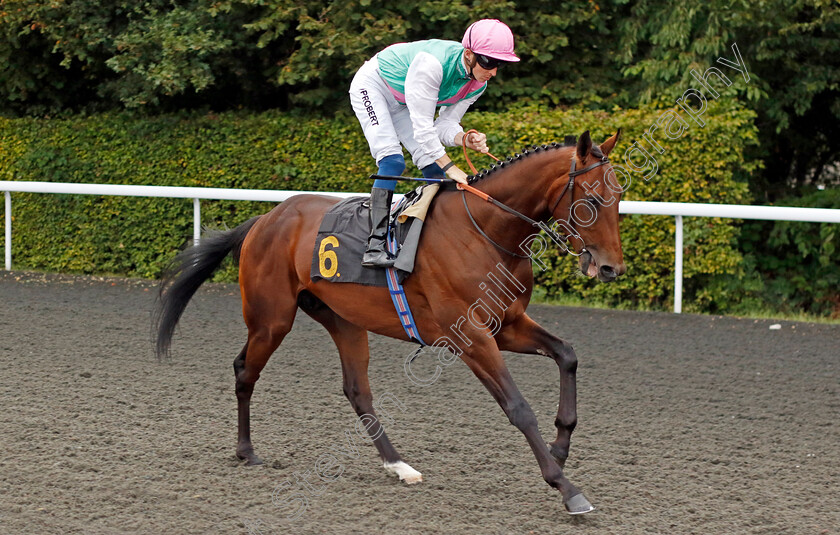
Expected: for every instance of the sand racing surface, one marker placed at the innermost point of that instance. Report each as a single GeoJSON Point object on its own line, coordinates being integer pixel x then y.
{"type": "Point", "coordinates": [687, 424]}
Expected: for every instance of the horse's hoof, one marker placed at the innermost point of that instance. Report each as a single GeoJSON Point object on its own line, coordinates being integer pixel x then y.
{"type": "Point", "coordinates": [405, 472]}
{"type": "Point", "coordinates": [250, 458]}
{"type": "Point", "coordinates": [578, 505]}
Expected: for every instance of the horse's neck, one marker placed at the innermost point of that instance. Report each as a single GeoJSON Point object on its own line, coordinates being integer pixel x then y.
{"type": "Point", "coordinates": [525, 183]}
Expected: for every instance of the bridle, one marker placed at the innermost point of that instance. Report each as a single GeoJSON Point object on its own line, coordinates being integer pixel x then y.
{"type": "Point", "coordinates": [568, 223]}
{"type": "Point", "coordinates": [570, 185]}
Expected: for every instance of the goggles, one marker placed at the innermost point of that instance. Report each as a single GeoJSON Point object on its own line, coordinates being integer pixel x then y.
{"type": "Point", "coordinates": [488, 63]}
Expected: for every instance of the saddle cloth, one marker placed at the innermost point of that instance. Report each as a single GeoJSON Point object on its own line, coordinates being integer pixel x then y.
{"type": "Point", "coordinates": [343, 234]}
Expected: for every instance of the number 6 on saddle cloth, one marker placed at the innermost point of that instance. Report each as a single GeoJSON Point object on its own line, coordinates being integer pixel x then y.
{"type": "Point", "coordinates": [342, 239]}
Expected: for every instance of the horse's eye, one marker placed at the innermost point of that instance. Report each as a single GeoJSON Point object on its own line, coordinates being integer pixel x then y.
{"type": "Point", "coordinates": [593, 201]}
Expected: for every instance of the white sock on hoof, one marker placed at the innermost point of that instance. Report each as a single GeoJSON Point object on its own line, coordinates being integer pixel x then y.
{"type": "Point", "coordinates": [405, 472]}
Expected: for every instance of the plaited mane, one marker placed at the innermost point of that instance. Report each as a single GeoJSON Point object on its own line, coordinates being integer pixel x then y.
{"type": "Point", "coordinates": [527, 151]}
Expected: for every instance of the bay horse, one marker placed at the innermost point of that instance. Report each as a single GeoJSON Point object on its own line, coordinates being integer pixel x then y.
{"type": "Point", "coordinates": [463, 239]}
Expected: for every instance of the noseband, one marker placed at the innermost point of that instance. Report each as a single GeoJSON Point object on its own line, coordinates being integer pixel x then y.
{"type": "Point", "coordinates": [569, 223]}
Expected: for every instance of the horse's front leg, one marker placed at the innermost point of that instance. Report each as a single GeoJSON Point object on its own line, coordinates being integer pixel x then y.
{"type": "Point", "coordinates": [526, 336]}
{"type": "Point", "coordinates": [487, 364]}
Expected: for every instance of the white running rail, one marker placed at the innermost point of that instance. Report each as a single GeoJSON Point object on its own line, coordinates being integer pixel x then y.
{"type": "Point", "coordinates": [675, 209]}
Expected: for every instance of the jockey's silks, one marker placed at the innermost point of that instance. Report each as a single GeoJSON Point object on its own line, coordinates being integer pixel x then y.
{"type": "Point", "coordinates": [456, 85]}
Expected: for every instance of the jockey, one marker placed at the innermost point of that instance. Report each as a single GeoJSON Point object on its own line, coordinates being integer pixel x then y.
{"type": "Point", "coordinates": [395, 95]}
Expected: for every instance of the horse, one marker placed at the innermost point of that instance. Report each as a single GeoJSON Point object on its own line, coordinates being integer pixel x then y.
{"type": "Point", "coordinates": [464, 239]}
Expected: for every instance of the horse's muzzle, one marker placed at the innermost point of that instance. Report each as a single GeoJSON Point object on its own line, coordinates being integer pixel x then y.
{"type": "Point", "coordinates": [605, 273]}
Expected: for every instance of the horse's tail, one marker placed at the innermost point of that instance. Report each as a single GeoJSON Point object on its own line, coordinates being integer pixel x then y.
{"type": "Point", "coordinates": [188, 270]}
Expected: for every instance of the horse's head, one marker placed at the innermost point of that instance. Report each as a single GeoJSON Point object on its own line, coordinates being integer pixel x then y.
{"type": "Point", "coordinates": [590, 211]}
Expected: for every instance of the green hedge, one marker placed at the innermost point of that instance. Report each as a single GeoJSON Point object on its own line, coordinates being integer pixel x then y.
{"type": "Point", "coordinates": [704, 165]}
{"type": "Point", "coordinates": [136, 236]}
{"type": "Point", "coordinates": [789, 266]}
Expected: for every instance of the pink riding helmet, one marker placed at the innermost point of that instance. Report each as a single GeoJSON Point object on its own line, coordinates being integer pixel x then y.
{"type": "Point", "coordinates": [492, 38]}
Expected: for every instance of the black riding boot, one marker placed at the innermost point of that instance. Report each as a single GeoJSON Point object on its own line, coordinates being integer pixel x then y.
{"type": "Point", "coordinates": [377, 254]}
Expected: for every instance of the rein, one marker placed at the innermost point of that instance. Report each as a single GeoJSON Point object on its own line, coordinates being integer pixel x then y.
{"type": "Point", "coordinates": [467, 156]}
{"type": "Point", "coordinates": [466, 187]}
{"type": "Point", "coordinates": [554, 236]}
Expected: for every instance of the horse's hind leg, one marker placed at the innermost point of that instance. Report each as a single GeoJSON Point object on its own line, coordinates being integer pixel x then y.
{"type": "Point", "coordinates": [269, 318]}
{"type": "Point", "coordinates": [352, 343]}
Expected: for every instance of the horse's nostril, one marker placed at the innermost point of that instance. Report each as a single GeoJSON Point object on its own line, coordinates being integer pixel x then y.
{"type": "Point", "coordinates": [608, 272]}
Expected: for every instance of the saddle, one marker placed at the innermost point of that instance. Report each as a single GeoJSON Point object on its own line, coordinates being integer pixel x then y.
{"type": "Point", "coordinates": [343, 234]}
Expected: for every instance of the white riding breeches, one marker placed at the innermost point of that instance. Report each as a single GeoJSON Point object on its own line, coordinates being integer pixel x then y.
{"type": "Point", "coordinates": [385, 122]}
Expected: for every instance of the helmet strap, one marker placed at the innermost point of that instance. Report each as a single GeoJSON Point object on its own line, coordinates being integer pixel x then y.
{"type": "Point", "coordinates": [471, 64]}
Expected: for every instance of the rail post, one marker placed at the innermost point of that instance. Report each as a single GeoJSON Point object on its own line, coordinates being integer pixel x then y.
{"type": "Point", "coordinates": [196, 221]}
{"type": "Point", "coordinates": [678, 266]}
{"type": "Point", "coordinates": [8, 231]}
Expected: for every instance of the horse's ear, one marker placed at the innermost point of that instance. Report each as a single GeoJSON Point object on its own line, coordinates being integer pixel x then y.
{"type": "Point", "coordinates": [608, 145]}
{"type": "Point", "coordinates": [584, 146]}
